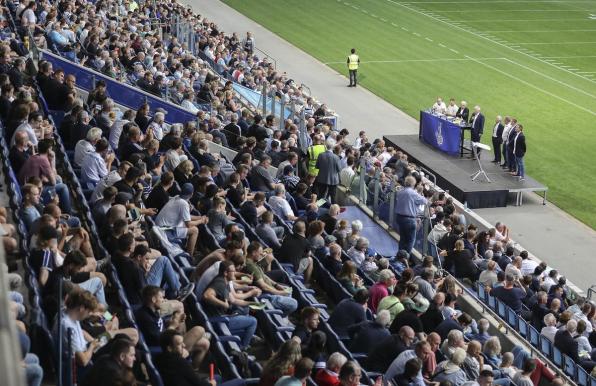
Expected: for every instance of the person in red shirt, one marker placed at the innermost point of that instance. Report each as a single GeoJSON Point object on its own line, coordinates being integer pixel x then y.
{"type": "Point", "coordinates": [380, 289]}
{"type": "Point", "coordinates": [329, 376]}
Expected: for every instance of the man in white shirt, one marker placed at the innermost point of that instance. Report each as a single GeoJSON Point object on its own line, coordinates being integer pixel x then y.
{"type": "Point", "coordinates": [504, 136]}
{"type": "Point", "coordinates": [347, 174]}
{"type": "Point", "coordinates": [176, 216]}
{"type": "Point", "coordinates": [97, 164]}
{"type": "Point", "coordinates": [361, 140]}
{"type": "Point", "coordinates": [157, 126]}
{"type": "Point", "coordinates": [109, 180]}
{"type": "Point", "coordinates": [118, 127]}
{"type": "Point", "coordinates": [280, 205]}
{"type": "Point", "coordinates": [439, 107]}
{"type": "Point", "coordinates": [528, 265]}
{"type": "Point", "coordinates": [87, 145]}
{"type": "Point", "coordinates": [451, 109]}
{"type": "Point", "coordinates": [513, 268]}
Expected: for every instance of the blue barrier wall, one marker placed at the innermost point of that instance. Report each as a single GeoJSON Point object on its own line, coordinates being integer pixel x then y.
{"type": "Point", "coordinates": [123, 94]}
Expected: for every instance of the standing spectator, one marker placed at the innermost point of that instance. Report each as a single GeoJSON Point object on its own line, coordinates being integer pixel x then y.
{"type": "Point", "coordinates": [519, 151]}
{"type": "Point", "coordinates": [329, 167]}
{"type": "Point", "coordinates": [407, 202]}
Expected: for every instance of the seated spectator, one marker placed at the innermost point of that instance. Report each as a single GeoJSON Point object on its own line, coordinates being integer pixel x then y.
{"type": "Point", "coordinates": [173, 364]}
{"type": "Point", "coordinates": [564, 340]}
{"type": "Point", "coordinates": [20, 151]}
{"type": "Point", "coordinates": [280, 205]}
{"type": "Point", "coordinates": [451, 370]}
{"type": "Point", "coordinates": [349, 278]}
{"type": "Point", "coordinates": [410, 316]}
{"type": "Point", "coordinates": [492, 352]}
{"type": "Point", "coordinates": [514, 268]}
{"type": "Point", "coordinates": [300, 198]}
{"type": "Point", "coordinates": [317, 349]}
{"type": "Point", "coordinates": [269, 233]}
{"type": "Point", "coordinates": [462, 321]}
{"type": "Point", "coordinates": [260, 177]}
{"type": "Point", "coordinates": [462, 261]}
{"type": "Point", "coordinates": [364, 334]}
{"type": "Point", "coordinates": [282, 363]}
{"type": "Point", "coordinates": [329, 376]}
{"type": "Point", "coordinates": [488, 277]}
{"type": "Point", "coordinates": [279, 295]}
{"type": "Point", "coordinates": [474, 361]}
{"type": "Point", "coordinates": [302, 372]}
{"type": "Point", "coordinates": [411, 370]}
{"type": "Point", "coordinates": [315, 238]}
{"type": "Point", "coordinates": [29, 208]}
{"type": "Point", "coordinates": [176, 216]}
{"type": "Point", "coordinates": [87, 145]}
{"type": "Point", "coordinates": [152, 325]}
{"type": "Point", "coordinates": [332, 260]}
{"type": "Point", "coordinates": [349, 312]}
{"type": "Point", "coordinates": [426, 283]}
{"type": "Point", "coordinates": [78, 305]}
{"type": "Point", "coordinates": [97, 164]}
{"type": "Point", "coordinates": [359, 255]}
{"type": "Point", "coordinates": [289, 179]}
{"type": "Point", "coordinates": [550, 327]}
{"type": "Point", "coordinates": [116, 365]}
{"type": "Point", "coordinates": [383, 352]}
{"type": "Point", "coordinates": [433, 316]}
{"type": "Point", "coordinates": [308, 323]}
{"type": "Point", "coordinates": [295, 250]}
{"type": "Point", "coordinates": [397, 367]}
{"type": "Point", "coordinates": [380, 289]}
{"type": "Point", "coordinates": [218, 219]}
{"type": "Point", "coordinates": [539, 310]}
{"type": "Point", "coordinates": [219, 300]}
{"type": "Point", "coordinates": [160, 195]}
{"type": "Point", "coordinates": [511, 293]}
{"type": "Point", "coordinates": [251, 210]}
{"type": "Point", "coordinates": [482, 336]}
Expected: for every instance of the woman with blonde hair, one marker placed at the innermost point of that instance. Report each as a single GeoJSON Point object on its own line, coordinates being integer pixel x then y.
{"type": "Point", "coordinates": [492, 352]}
{"type": "Point", "coordinates": [281, 363]}
{"type": "Point", "coordinates": [349, 278]}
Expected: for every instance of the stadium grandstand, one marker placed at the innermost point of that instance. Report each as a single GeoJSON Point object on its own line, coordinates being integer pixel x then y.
{"type": "Point", "coordinates": [179, 211]}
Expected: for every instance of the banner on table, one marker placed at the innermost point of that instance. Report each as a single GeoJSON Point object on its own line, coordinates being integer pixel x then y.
{"type": "Point", "coordinates": [440, 133]}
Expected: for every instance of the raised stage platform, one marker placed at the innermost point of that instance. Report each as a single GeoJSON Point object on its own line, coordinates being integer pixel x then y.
{"type": "Point", "coordinates": [453, 174]}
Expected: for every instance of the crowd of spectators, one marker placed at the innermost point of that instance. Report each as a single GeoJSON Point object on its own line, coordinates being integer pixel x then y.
{"type": "Point", "coordinates": [134, 167]}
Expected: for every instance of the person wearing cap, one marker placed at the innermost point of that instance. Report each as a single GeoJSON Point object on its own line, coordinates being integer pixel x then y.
{"type": "Point", "coordinates": [97, 164]}
{"type": "Point", "coordinates": [175, 215]}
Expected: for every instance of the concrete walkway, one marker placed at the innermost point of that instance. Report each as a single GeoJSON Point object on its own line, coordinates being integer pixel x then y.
{"type": "Point", "coordinates": [546, 231]}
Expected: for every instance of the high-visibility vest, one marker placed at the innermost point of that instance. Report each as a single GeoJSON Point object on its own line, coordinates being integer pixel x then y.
{"type": "Point", "coordinates": [313, 154]}
{"type": "Point", "coordinates": [353, 62]}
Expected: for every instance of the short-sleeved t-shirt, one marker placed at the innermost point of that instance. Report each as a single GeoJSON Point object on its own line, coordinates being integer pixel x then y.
{"type": "Point", "coordinates": [222, 292]}
{"type": "Point", "coordinates": [35, 166]}
{"type": "Point", "coordinates": [174, 214]}
{"type": "Point", "coordinates": [511, 297]}
{"type": "Point", "coordinates": [78, 342]}
{"type": "Point", "coordinates": [257, 272]}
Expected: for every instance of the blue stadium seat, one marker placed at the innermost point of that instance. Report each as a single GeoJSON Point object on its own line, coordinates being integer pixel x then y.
{"type": "Point", "coordinates": [534, 336]}
{"type": "Point", "coordinates": [502, 309]}
{"type": "Point", "coordinates": [546, 346]}
{"type": "Point", "coordinates": [523, 327]}
{"type": "Point", "coordinates": [557, 357]}
{"type": "Point", "coordinates": [570, 367]}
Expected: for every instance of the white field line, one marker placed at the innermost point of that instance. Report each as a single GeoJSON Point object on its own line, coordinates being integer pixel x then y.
{"type": "Point", "coordinates": [541, 31]}
{"type": "Point", "coordinates": [498, 1]}
{"type": "Point", "coordinates": [493, 20]}
{"type": "Point", "coordinates": [517, 10]}
{"type": "Point", "coordinates": [493, 41]}
{"type": "Point", "coordinates": [417, 60]}
{"type": "Point", "coordinates": [549, 43]}
{"type": "Point", "coordinates": [532, 86]}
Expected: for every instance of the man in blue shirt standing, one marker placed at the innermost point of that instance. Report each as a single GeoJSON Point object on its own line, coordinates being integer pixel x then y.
{"type": "Point", "coordinates": [407, 202]}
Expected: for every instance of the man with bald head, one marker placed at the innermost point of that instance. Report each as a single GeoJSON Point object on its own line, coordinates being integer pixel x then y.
{"type": "Point", "coordinates": [430, 364]}
{"type": "Point", "coordinates": [382, 354]}
{"type": "Point", "coordinates": [434, 314]}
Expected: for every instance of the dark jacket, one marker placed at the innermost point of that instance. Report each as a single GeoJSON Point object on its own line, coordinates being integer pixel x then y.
{"type": "Point", "coordinates": [177, 371]}
{"type": "Point", "coordinates": [365, 334]}
{"type": "Point", "coordinates": [519, 147]}
{"type": "Point", "coordinates": [346, 314]}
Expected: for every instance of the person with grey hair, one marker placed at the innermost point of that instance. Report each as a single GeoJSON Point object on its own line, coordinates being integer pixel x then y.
{"type": "Point", "coordinates": [157, 126]}
{"type": "Point", "coordinates": [407, 207]}
{"type": "Point", "coordinates": [329, 165]}
{"type": "Point", "coordinates": [87, 145]}
{"type": "Point", "coordinates": [329, 376]}
{"type": "Point", "coordinates": [564, 340]}
{"type": "Point", "coordinates": [550, 327]}
{"type": "Point", "coordinates": [482, 336]}
{"type": "Point", "coordinates": [280, 205]}
{"type": "Point", "coordinates": [451, 370]}
{"type": "Point", "coordinates": [511, 293]}
{"type": "Point", "coordinates": [366, 334]}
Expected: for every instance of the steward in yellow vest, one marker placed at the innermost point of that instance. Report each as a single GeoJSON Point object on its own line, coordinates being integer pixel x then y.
{"type": "Point", "coordinates": [353, 62]}
{"type": "Point", "coordinates": [313, 153]}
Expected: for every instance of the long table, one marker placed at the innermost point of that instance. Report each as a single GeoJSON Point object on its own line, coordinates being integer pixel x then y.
{"type": "Point", "coordinates": [442, 134]}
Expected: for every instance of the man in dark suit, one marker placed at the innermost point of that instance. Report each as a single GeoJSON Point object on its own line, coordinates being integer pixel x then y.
{"type": "Point", "coordinates": [510, 156]}
{"type": "Point", "coordinates": [463, 112]}
{"type": "Point", "coordinates": [497, 133]}
{"type": "Point", "coordinates": [329, 166]}
{"type": "Point", "coordinates": [564, 340]}
{"type": "Point", "coordinates": [477, 125]}
{"type": "Point", "coordinates": [519, 151]}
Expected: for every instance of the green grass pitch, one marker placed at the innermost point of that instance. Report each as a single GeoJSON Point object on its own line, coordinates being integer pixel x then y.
{"type": "Point", "coordinates": [535, 60]}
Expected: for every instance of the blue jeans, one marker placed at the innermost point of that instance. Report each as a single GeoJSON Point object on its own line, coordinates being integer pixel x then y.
{"type": "Point", "coordinates": [243, 326]}
{"type": "Point", "coordinates": [95, 286]}
{"type": "Point", "coordinates": [407, 232]}
{"type": "Point", "coordinates": [286, 304]}
{"type": "Point", "coordinates": [521, 168]}
{"type": "Point", "coordinates": [160, 270]}
{"type": "Point", "coordinates": [61, 190]}
{"type": "Point", "coordinates": [33, 371]}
